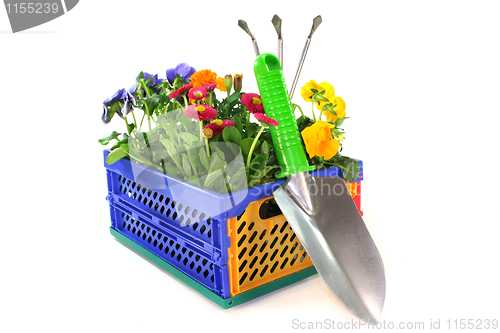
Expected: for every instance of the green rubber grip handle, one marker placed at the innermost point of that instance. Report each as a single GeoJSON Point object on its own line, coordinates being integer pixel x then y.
{"type": "Point", "coordinates": [276, 101]}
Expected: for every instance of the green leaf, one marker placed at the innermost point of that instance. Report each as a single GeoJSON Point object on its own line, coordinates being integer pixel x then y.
{"type": "Point", "coordinates": [171, 169]}
{"type": "Point", "coordinates": [212, 178]}
{"type": "Point", "coordinates": [245, 145]}
{"type": "Point", "coordinates": [257, 167]}
{"type": "Point", "coordinates": [219, 152]}
{"type": "Point", "coordinates": [115, 155]}
{"type": "Point", "coordinates": [187, 122]}
{"type": "Point", "coordinates": [186, 165]}
{"type": "Point", "coordinates": [239, 124]}
{"type": "Point", "coordinates": [152, 103]}
{"type": "Point", "coordinates": [188, 138]}
{"type": "Point", "coordinates": [251, 129]}
{"type": "Point", "coordinates": [339, 122]}
{"type": "Point", "coordinates": [217, 162]}
{"type": "Point", "coordinates": [106, 140]}
{"type": "Point", "coordinates": [194, 157]}
{"type": "Point", "coordinates": [122, 142]}
{"type": "Point", "coordinates": [130, 127]}
{"type": "Point", "coordinates": [351, 171]}
{"type": "Point", "coordinates": [204, 158]}
{"type": "Point", "coordinates": [265, 148]}
{"type": "Point", "coordinates": [171, 128]}
{"type": "Point", "coordinates": [235, 97]}
{"type": "Point", "coordinates": [303, 122]}
{"type": "Point", "coordinates": [319, 97]}
{"type": "Point", "coordinates": [232, 134]}
{"type": "Point", "coordinates": [169, 145]}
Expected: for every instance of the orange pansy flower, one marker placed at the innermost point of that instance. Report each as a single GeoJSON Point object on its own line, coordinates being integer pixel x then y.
{"type": "Point", "coordinates": [318, 140]}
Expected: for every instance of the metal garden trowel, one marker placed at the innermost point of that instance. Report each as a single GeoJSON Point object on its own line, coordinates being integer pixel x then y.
{"type": "Point", "coordinates": [320, 210]}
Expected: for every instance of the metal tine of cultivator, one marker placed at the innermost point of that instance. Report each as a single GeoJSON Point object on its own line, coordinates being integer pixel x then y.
{"type": "Point", "coordinates": [316, 22]}
{"type": "Point", "coordinates": [243, 25]}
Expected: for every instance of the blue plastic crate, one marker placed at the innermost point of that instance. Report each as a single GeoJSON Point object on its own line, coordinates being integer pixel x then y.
{"type": "Point", "coordinates": [181, 223]}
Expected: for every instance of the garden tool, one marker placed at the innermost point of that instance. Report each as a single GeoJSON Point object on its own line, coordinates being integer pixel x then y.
{"type": "Point", "coordinates": [316, 22]}
{"type": "Point", "coordinates": [243, 25]}
{"type": "Point", "coordinates": [320, 210]}
{"type": "Point", "coordinates": [277, 25]}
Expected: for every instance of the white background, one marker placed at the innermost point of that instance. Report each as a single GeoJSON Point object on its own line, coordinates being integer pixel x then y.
{"type": "Point", "coordinates": [421, 84]}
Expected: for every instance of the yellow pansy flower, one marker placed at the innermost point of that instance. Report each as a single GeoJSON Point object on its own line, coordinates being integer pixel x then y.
{"type": "Point", "coordinates": [339, 109]}
{"type": "Point", "coordinates": [307, 92]}
{"type": "Point", "coordinates": [318, 140]}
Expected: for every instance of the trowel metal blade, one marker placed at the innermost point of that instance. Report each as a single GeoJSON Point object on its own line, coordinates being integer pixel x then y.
{"type": "Point", "coordinates": [326, 220]}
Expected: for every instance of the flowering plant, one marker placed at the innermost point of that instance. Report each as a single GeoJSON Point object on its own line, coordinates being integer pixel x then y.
{"type": "Point", "coordinates": [323, 139]}
{"type": "Point", "coordinates": [179, 126]}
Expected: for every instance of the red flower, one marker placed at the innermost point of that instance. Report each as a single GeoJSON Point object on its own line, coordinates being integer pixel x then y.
{"type": "Point", "coordinates": [178, 92]}
{"type": "Point", "coordinates": [253, 102]}
{"type": "Point", "coordinates": [264, 120]}
{"type": "Point", "coordinates": [200, 112]}
{"type": "Point", "coordinates": [197, 93]}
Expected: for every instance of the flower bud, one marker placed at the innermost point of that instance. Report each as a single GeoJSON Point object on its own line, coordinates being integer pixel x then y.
{"type": "Point", "coordinates": [209, 98]}
{"type": "Point", "coordinates": [228, 82]}
{"type": "Point", "coordinates": [238, 82]}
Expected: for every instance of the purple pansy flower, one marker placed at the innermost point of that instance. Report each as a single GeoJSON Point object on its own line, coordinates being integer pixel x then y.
{"type": "Point", "coordinates": [184, 70]}
{"type": "Point", "coordinates": [148, 76]}
{"type": "Point", "coordinates": [119, 95]}
{"type": "Point", "coordinates": [153, 84]}
{"type": "Point", "coordinates": [114, 104]}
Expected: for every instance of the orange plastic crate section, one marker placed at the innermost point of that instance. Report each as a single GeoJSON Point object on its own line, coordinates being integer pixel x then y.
{"type": "Point", "coordinates": [264, 250]}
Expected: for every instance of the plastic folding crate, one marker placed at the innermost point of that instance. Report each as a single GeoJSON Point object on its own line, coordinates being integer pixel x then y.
{"type": "Point", "coordinates": [229, 247]}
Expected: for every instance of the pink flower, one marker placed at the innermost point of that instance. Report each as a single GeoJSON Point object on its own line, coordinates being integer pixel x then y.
{"type": "Point", "coordinates": [207, 132]}
{"type": "Point", "coordinates": [218, 125]}
{"type": "Point", "coordinates": [264, 120]}
{"type": "Point", "coordinates": [200, 112]}
{"type": "Point", "coordinates": [197, 93]}
{"type": "Point", "coordinates": [178, 92]}
{"type": "Point", "coordinates": [209, 86]}
{"type": "Point", "coordinates": [227, 123]}
{"type": "Point", "coordinates": [253, 102]}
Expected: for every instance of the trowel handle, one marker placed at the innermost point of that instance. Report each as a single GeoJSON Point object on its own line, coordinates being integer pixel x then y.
{"type": "Point", "coordinates": [287, 143]}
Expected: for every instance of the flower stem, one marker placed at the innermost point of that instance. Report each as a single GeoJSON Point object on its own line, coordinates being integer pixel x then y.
{"type": "Point", "coordinates": [185, 102]}
{"type": "Point", "coordinates": [140, 126]}
{"type": "Point", "coordinates": [156, 124]}
{"type": "Point", "coordinates": [135, 121]}
{"type": "Point", "coordinates": [302, 112]}
{"type": "Point", "coordinates": [248, 118]}
{"type": "Point", "coordinates": [254, 143]}
{"type": "Point", "coordinates": [201, 138]}
{"type": "Point", "coordinates": [314, 116]}
{"type": "Point", "coordinates": [148, 93]}
{"type": "Point", "coordinates": [208, 147]}
{"type": "Point", "coordinates": [334, 164]}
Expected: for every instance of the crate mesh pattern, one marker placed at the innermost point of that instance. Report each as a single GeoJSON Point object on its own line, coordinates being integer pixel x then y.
{"type": "Point", "coordinates": [262, 250]}
{"type": "Point", "coordinates": [186, 260]}
{"type": "Point", "coordinates": [198, 223]}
